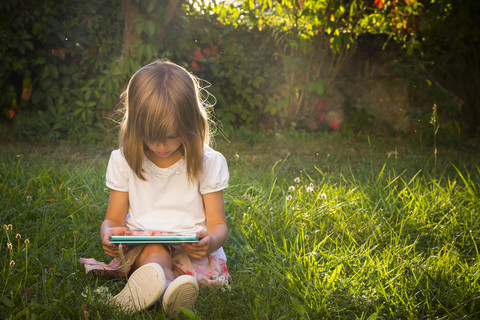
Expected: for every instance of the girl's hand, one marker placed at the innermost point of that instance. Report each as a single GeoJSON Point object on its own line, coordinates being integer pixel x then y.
{"type": "Point", "coordinates": [112, 249]}
{"type": "Point", "coordinates": [199, 249]}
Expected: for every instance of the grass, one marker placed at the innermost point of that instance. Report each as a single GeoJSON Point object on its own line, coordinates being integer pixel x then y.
{"type": "Point", "coordinates": [371, 229]}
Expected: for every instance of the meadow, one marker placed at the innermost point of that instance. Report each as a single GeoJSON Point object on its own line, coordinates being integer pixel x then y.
{"type": "Point", "coordinates": [321, 226]}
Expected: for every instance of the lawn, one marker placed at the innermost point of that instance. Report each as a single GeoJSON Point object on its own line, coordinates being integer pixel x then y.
{"type": "Point", "coordinates": [321, 226]}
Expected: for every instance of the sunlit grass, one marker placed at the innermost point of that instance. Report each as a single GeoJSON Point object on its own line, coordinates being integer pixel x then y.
{"type": "Point", "coordinates": [321, 227]}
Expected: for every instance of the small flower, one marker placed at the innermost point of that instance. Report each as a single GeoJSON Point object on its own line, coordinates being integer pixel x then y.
{"type": "Point", "coordinates": [27, 241]}
{"type": "Point", "coordinates": [307, 237]}
{"type": "Point", "coordinates": [291, 188]}
{"type": "Point", "coordinates": [225, 288]}
{"type": "Point", "coordinates": [9, 246]}
{"type": "Point", "coordinates": [105, 189]}
{"type": "Point", "coordinates": [12, 263]}
{"type": "Point", "coordinates": [75, 232]}
{"type": "Point", "coordinates": [309, 189]}
{"type": "Point", "coordinates": [195, 66]}
{"type": "Point", "coordinates": [85, 293]}
{"type": "Point", "coordinates": [10, 227]}
{"type": "Point", "coordinates": [5, 227]}
{"type": "Point", "coordinates": [322, 196]}
{"type": "Point", "coordinates": [311, 185]}
{"type": "Point", "coordinates": [297, 180]}
{"type": "Point", "coordinates": [11, 113]}
{"type": "Point", "coordinates": [246, 197]}
{"type": "Point", "coordinates": [18, 236]}
{"type": "Point", "coordinates": [29, 198]}
{"type": "Point", "coordinates": [236, 156]}
{"type": "Point", "coordinates": [289, 198]}
{"type": "Point", "coordinates": [335, 125]}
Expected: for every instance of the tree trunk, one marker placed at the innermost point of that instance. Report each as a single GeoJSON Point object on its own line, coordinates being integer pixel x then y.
{"type": "Point", "coordinates": [171, 13]}
{"type": "Point", "coordinates": [130, 35]}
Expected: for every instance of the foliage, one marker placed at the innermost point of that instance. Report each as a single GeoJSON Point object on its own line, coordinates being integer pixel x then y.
{"type": "Point", "coordinates": [52, 65]}
{"type": "Point", "coordinates": [451, 42]}
{"type": "Point", "coordinates": [270, 63]}
{"type": "Point", "coordinates": [445, 35]}
{"type": "Point", "coordinates": [313, 40]}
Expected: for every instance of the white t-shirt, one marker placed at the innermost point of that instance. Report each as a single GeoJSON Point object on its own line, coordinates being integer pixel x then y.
{"type": "Point", "coordinates": [167, 201]}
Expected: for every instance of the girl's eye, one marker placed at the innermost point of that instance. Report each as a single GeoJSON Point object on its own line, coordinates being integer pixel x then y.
{"type": "Point", "coordinates": [173, 137]}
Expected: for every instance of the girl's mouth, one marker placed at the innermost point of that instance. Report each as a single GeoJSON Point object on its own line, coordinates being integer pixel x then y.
{"type": "Point", "coordinates": [163, 154]}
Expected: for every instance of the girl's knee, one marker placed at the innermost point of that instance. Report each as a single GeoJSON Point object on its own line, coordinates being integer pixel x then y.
{"type": "Point", "coordinates": [155, 250]}
{"type": "Point", "coordinates": [155, 253]}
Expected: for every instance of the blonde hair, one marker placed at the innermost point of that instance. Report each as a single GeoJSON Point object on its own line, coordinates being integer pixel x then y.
{"type": "Point", "coordinates": [161, 98]}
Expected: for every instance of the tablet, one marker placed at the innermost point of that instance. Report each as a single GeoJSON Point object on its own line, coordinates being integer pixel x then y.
{"type": "Point", "coordinates": [154, 239]}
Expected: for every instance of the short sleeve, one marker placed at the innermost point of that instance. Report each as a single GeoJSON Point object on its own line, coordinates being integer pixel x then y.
{"type": "Point", "coordinates": [215, 174]}
{"type": "Point", "coordinates": [117, 172]}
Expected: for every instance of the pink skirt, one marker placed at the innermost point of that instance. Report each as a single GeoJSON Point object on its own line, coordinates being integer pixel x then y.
{"type": "Point", "coordinates": [210, 270]}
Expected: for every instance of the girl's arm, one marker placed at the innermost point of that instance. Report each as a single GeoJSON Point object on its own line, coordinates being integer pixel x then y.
{"type": "Point", "coordinates": [115, 221]}
{"type": "Point", "coordinates": [217, 231]}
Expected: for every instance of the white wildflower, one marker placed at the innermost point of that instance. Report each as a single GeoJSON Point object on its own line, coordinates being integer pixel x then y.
{"type": "Point", "coordinates": [100, 293]}
{"type": "Point", "coordinates": [309, 189]}
{"type": "Point", "coordinates": [289, 198]}
{"type": "Point", "coordinates": [322, 196]}
{"type": "Point", "coordinates": [85, 293]}
{"type": "Point", "coordinates": [222, 281]}
{"type": "Point", "coordinates": [29, 198]}
{"type": "Point", "coordinates": [297, 180]}
{"type": "Point", "coordinates": [291, 188]}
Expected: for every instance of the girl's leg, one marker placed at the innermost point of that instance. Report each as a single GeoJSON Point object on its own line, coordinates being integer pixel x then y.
{"type": "Point", "coordinates": [157, 253]}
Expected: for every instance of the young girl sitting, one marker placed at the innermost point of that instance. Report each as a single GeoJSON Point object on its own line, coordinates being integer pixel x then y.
{"type": "Point", "coordinates": [164, 179]}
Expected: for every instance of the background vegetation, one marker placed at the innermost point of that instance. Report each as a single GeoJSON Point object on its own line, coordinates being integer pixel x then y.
{"type": "Point", "coordinates": [271, 63]}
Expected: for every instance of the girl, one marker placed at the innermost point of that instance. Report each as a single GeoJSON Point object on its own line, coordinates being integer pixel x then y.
{"type": "Point", "coordinates": [165, 179]}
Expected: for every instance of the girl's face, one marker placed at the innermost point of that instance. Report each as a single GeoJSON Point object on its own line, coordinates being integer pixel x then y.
{"type": "Point", "coordinates": [166, 149]}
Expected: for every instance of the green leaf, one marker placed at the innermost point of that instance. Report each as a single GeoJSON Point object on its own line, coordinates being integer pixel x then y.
{"type": "Point", "coordinates": [149, 28]}
{"type": "Point", "coordinates": [149, 6]}
{"type": "Point", "coordinates": [45, 71]}
{"type": "Point", "coordinates": [279, 8]}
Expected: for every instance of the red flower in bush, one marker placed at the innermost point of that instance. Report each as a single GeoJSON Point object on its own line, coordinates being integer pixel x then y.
{"type": "Point", "coordinates": [322, 106]}
{"type": "Point", "coordinates": [334, 125]}
{"type": "Point", "coordinates": [11, 113]}
{"type": "Point", "coordinates": [379, 4]}
{"type": "Point", "coordinates": [197, 55]}
{"type": "Point", "coordinates": [320, 116]}
{"type": "Point", "coordinates": [195, 66]}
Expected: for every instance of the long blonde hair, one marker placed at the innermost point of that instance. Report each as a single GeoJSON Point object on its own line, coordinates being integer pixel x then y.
{"type": "Point", "coordinates": [160, 98]}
